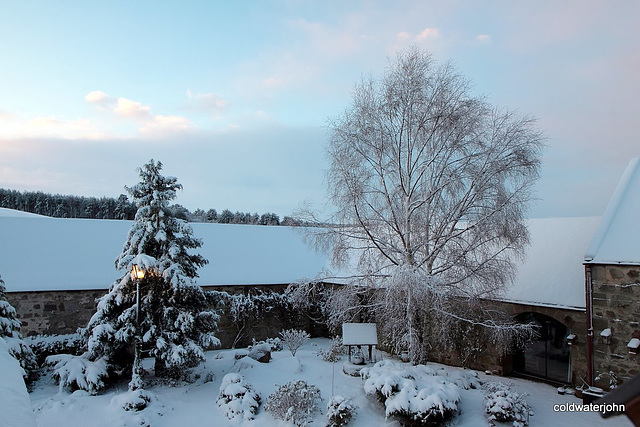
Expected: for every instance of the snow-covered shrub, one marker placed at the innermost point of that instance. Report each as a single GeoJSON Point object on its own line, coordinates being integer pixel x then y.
{"type": "Point", "coordinates": [24, 355]}
{"type": "Point", "coordinates": [340, 411]}
{"type": "Point", "coordinates": [10, 332]}
{"type": "Point", "coordinates": [46, 345]}
{"type": "Point", "coordinates": [504, 404]}
{"type": "Point", "coordinates": [274, 343]}
{"type": "Point", "coordinates": [293, 339]}
{"type": "Point", "coordinates": [237, 399]}
{"type": "Point", "coordinates": [295, 402]}
{"type": "Point", "coordinates": [334, 352]}
{"type": "Point", "coordinates": [260, 352]}
{"type": "Point", "coordinates": [137, 400]}
{"type": "Point", "coordinates": [415, 394]}
{"type": "Point", "coordinates": [247, 310]}
{"type": "Point", "coordinates": [78, 372]}
{"type": "Point", "coordinates": [465, 380]}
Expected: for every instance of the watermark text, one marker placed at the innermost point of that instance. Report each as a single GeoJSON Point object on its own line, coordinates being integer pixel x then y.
{"type": "Point", "coordinates": [589, 407]}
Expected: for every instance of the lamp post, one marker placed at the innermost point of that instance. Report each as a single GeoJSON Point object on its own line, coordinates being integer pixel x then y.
{"type": "Point", "coordinates": [141, 266]}
{"type": "Point", "coordinates": [137, 275]}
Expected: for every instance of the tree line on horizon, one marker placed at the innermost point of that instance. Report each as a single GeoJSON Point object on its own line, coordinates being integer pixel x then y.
{"type": "Point", "coordinates": [69, 206]}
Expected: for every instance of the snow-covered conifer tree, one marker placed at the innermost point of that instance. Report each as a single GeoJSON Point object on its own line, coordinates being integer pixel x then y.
{"type": "Point", "coordinates": [175, 321]}
{"type": "Point", "coordinates": [10, 332]}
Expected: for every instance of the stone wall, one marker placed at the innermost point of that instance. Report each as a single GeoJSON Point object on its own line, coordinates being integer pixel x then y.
{"type": "Point", "coordinates": [616, 305]}
{"type": "Point", "coordinates": [265, 326]}
{"type": "Point", "coordinates": [63, 312]}
{"type": "Point", "coordinates": [54, 312]}
{"type": "Point", "coordinates": [575, 321]}
{"type": "Point", "coordinates": [500, 361]}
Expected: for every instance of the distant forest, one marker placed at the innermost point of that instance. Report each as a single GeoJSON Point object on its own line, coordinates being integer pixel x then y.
{"type": "Point", "coordinates": [64, 206]}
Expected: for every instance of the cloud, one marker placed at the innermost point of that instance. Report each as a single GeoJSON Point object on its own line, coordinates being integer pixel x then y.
{"type": "Point", "coordinates": [128, 108]}
{"type": "Point", "coordinates": [428, 33]}
{"type": "Point", "coordinates": [272, 82]}
{"type": "Point", "coordinates": [97, 97]}
{"type": "Point", "coordinates": [403, 39]}
{"type": "Point", "coordinates": [14, 127]}
{"type": "Point", "coordinates": [159, 126]}
{"type": "Point", "coordinates": [403, 36]}
{"type": "Point", "coordinates": [210, 103]}
{"type": "Point", "coordinates": [116, 124]}
{"type": "Point", "coordinates": [151, 124]}
{"type": "Point", "coordinates": [483, 39]}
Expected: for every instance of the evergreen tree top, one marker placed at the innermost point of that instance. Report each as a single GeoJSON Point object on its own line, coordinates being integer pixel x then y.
{"type": "Point", "coordinates": [154, 189]}
{"type": "Point", "coordinates": [156, 231]}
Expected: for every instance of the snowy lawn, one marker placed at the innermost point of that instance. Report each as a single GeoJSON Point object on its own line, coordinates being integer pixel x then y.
{"type": "Point", "coordinates": [196, 404]}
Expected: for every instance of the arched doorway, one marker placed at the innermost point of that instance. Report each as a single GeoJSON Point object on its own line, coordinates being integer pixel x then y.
{"type": "Point", "coordinates": [547, 357]}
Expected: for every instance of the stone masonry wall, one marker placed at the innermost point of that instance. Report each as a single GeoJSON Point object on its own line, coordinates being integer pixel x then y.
{"type": "Point", "coordinates": [63, 312]}
{"type": "Point", "coordinates": [268, 325]}
{"type": "Point", "coordinates": [54, 312]}
{"type": "Point", "coordinates": [500, 362]}
{"type": "Point", "coordinates": [576, 322]}
{"type": "Point", "coordinates": [616, 305]}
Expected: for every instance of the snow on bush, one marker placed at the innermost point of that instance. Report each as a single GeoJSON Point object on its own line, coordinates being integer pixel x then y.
{"type": "Point", "coordinates": [46, 345]}
{"type": "Point", "coordinates": [10, 332]}
{"type": "Point", "coordinates": [134, 400]}
{"type": "Point", "coordinates": [465, 380]}
{"type": "Point", "coordinates": [293, 339]}
{"type": "Point", "coordinates": [275, 343]}
{"type": "Point", "coordinates": [334, 352]}
{"type": "Point", "coordinates": [340, 411]}
{"type": "Point", "coordinates": [260, 352]}
{"type": "Point", "coordinates": [295, 402]}
{"type": "Point", "coordinates": [237, 400]}
{"type": "Point", "coordinates": [415, 394]}
{"type": "Point", "coordinates": [78, 372]}
{"type": "Point", "coordinates": [504, 404]}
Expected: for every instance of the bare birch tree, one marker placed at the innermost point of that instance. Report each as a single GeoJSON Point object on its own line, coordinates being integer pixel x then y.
{"type": "Point", "coordinates": [431, 186]}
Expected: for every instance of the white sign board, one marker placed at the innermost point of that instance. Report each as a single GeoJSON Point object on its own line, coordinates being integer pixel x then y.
{"type": "Point", "coordinates": [359, 334]}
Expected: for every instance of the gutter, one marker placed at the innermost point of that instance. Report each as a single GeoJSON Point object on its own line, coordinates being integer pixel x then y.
{"type": "Point", "coordinates": [588, 285]}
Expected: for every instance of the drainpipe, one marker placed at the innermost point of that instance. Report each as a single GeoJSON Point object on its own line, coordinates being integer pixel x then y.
{"type": "Point", "coordinates": [589, 307]}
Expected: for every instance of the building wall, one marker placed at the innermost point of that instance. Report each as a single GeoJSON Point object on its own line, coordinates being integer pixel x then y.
{"type": "Point", "coordinates": [54, 312]}
{"type": "Point", "coordinates": [616, 305]}
{"type": "Point", "coordinates": [500, 361]}
{"type": "Point", "coordinates": [63, 312]}
{"type": "Point", "coordinates": [574, 320]}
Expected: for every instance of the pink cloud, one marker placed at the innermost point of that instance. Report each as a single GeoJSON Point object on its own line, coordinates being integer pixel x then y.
{"type": "Point", "coordinates": [97, 97]}
{"type": "Point", "coordinates": [428, 33]}
{"type": "Point", "coordinates": [128, 108]}
{"type": "Point", "coordinates": [483, 39]}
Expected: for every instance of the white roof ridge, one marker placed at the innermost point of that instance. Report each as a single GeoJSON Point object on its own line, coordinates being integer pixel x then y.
{"type": "Point", "coordinates": [612, 209]}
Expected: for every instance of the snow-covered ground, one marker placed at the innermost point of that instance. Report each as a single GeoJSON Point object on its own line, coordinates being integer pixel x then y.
{"type": "Point", "coordinates": [15, 410]}
{"type": "Point", "coordinates": [195, 404]}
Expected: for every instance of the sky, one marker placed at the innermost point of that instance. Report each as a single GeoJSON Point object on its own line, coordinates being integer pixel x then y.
{"type": "Point", "coordinates": [234, 97]}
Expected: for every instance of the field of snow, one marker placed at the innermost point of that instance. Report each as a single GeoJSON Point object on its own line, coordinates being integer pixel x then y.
{"type": "Point", "coordinates": [13, 393]}
{"type": "Point", "coordinates": [195, 405]}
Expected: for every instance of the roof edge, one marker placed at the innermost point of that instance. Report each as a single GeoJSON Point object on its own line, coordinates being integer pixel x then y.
{"type": "Point", "coordinates": [612, 209]}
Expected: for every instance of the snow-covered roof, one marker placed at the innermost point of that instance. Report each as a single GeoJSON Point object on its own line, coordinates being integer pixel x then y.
{"type": "Point", "coordinates": [552, 272]}
{"type": "Point", "coordinates": [359, 334]}
{"type": "Point", "coordinates": [4, 212]}
{"type": "Point", "coordinates": [42, 253]}
{"type": "Point", "coordinates": [617, 240]}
